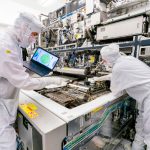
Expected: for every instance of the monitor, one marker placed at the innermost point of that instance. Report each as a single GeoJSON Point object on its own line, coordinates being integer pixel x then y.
{"type": "Point", "coordinates": [45, 58]}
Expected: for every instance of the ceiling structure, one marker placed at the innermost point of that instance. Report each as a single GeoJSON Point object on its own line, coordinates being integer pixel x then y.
{"type": "Point", "coordinates": [9, 9]}
{"type": "Point", "coordinates": [44, 6]}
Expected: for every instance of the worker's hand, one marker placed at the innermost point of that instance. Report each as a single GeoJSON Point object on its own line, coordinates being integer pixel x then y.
{"type": "Point", "coordinates": [51, 80]}
{"type": "Point", "coordinates": [54, 80]}
{"type": "Point", "coordinates": [51, 73]}
{"type": "Point", "coordinates": [102, 78]}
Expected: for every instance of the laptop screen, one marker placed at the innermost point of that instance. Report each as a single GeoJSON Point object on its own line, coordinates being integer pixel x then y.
{"type": "Point", "coordinates": [45, 58]}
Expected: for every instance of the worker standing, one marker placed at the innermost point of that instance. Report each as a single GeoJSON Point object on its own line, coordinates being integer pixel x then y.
{"type": "Point", "coordinates": [13, 75]}
{"type": "Point", "coordinates": [133, 76]}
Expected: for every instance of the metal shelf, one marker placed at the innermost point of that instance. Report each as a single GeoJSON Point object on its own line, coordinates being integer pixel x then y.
{"type": "Point", "coordinates": [124, 44]}
{"type": "Point", "coordinates": [136, 44]}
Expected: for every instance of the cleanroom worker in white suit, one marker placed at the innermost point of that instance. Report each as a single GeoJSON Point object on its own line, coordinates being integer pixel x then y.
{"type": "Point", "coordinates": [133, 76]}
{"type": "Point", "coordinates": [13, 75]}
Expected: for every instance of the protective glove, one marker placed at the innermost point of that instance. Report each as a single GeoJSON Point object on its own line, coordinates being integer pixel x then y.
{"type": "Point", "coordinates": [51, 73]}
{"type": "Point", "coordinates": [53, 80]}
{"type": "Point", "coordinates": [102, 78]}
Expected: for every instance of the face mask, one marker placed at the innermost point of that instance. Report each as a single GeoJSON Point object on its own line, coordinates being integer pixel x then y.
{"type": "Point", "coordinates": [27, 40]}
{"type": "Point", "coordinates": [32, 39]}
{"type": "Point", "coordinates": [106, 64]}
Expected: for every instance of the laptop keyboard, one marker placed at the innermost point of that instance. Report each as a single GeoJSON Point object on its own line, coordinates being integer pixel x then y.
{"type": "Point", "coordinates": [39, 68]}
{"type": "Point", "coordinates": [36, 68]}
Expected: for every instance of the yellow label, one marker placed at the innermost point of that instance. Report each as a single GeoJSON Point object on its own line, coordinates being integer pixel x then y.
{"type": "Point", "coordinates": [97, 109]}
{"type": "Point", "coordinates": [28, 110]}
{"type": "Point", "coordinates": [8, 51]}
{"type": "Point", "coordinates": [77, 36]}
{"type": "Point", "coordinates": [92, 59]}
{"type": "Point", "coordinates": [32, 114]}
{"type": "Point", "coordinates": [66, 68]}
{"type": "Point", "coordinates": [32, 106]}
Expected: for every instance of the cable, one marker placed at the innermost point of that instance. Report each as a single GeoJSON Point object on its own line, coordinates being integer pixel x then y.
{"type": "Point", "coordinates": [93, 129]}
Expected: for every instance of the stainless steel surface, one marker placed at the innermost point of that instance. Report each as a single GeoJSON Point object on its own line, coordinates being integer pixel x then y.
{"type": "Point", "coordinates": [31, 138]}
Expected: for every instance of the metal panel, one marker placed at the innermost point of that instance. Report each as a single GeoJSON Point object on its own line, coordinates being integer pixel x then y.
{"type": "Point", "coordinates": [89, 6]}
{"type": "Point", "coordinates": [25, 132]}
{"type": "Point", "coordinates": [48, 129]}
{"type": "Point", "coordinates": [124, 28]}
{"type": "Point", "coordinates": [97, 18]}
{"type": "Point", "coordinates": [144, 51]}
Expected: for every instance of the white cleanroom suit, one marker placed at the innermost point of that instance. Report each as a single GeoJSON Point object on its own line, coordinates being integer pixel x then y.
{"type": "Point", "coordinates": [13, 76]}
{"type": "Point", "coordinates": [133, 76]}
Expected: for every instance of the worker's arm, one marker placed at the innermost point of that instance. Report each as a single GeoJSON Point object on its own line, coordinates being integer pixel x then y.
{"type": "Point", "coordinates": [14, 72]}
{"type": "Point", "coordinates": [102, 78]}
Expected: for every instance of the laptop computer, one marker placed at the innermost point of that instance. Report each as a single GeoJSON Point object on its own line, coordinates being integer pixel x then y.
{"type": "Point", "coordinates": [42, 62]}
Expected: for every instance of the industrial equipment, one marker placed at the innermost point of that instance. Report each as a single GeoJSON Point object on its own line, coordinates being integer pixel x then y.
{"type": "Point", "coordinates": [119, 29]}
{"type": "Point", "coordinates": [71, 117]}
{"type": "Point", "coordinates": [81, 20]}
{"type": "Point", "coordinates": [85, 114]}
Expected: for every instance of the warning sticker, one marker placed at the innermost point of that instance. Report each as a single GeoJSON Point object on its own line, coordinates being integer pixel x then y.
{"type": "Point", "coordinates": [29, 109]}
{"type": "Point", "coordinates": [97, 109]}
